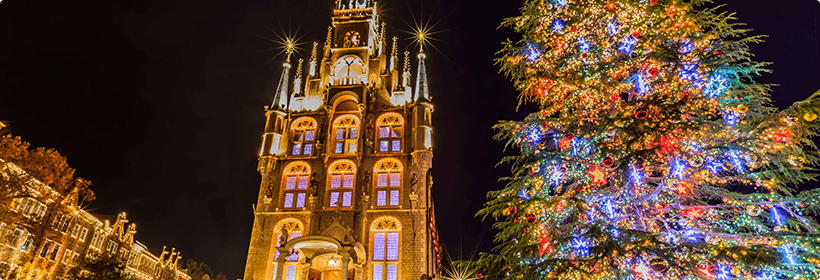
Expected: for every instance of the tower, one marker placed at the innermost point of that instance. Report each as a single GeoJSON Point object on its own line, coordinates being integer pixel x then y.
{"type": "Point", "coordinates": [346, 162]}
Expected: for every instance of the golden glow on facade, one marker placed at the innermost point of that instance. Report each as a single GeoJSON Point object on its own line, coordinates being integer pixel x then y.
{"type": "Point", "coordinates": [304, 123]}
{"type": "Point", "coordinates": [297, 168]}
{"type": "Point", "coordinates": [385, 223]}
{"type": "Point", "coordinates": [388, 165]}
{"type": "Point", "coordinates": [342, 166]}
{"type": "Point", "coordinates": [391, 118]}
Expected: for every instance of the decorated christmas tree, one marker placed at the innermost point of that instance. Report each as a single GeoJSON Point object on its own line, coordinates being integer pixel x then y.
{"type": "Point", "coordinates": [654, 153]}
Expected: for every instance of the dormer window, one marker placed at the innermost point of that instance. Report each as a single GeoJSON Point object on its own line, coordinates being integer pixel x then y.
{"type": "Point", "coordinates": [304, 136]}
{"type": "Point", "coordinates": [390, 132]}
{"type": "Point", "coordinates": [346, 134]}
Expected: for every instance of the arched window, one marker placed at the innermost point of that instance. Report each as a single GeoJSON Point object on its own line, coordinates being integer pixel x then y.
{"type": "Point", "coordinates": [342, 175]}
{"type": "Point", "coordinates": [348, 70]}
{"type": "Point", "coordinates": [295, 229]}
{"type": "Point", "coordinates": [295, 178]}
{"type": "Point", "coordinates": [384, 234]}
{"type": "Point", "coordinates": [304, 136]}
{"type": "Point", "coordinates": [388, 182]}
{"type": "Point", "coordinates": [390, 132]}
{"type": "Point", "coordinates": [346, 134]}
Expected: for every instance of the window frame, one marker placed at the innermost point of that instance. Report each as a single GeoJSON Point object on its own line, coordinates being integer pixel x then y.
{"type": "Point", "coordinates": [301, 126]}
{"type": "Point", "coordinates": [348, 125]}
{"type": "Point", "coordinates": [385, 225]}
{"type": "Point", "coordinates": [388, 192]}
{"type": "Point", "coordinates": [300, 171]}
{"type": "Point", "coordinates": [391, 121]}
{"type": "Point", "coordinates": [295, 229]}
{"type": "Point", "coordinates": [346, 172]}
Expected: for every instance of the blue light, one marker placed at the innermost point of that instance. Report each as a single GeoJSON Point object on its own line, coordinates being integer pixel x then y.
{"type": "Point", "coordinates": [765, 276]}
{"type": "Point", "coordinates": [687, 47]}
{"type": "Point", "coordinates": [563, 3]}
{"type": "Point", "coordinates": [716, 85]}
{"type": "Point", "coordinates": [534, 136]}
{"type": "Point", "coordinates": [678, 169]}
{"type": "Point", "coordinates": [690, 235]}
{"type": "Point", "coordinates": [723, 272]}
{"type": "Point", "coordinates": [790, 256]}
{"type": "Point", "coordinates": [610, 210]}
{"type": "Point", "coordinates": [628, 44]}
{"type": "Point", "coordinates": [715, 167]}
{"type": "Point", "coordinates": [672, 238]}
{"type": "Point", "coordinates": [641, 85]}
{"type": "Point", "coordinates": [637, 177]}
{"type": "Point", "coordinates": [731, 118]}
{"type": "Point", "coordinates": [736, 160]}
{"type": "Point", "coordinates": [583, 44]}
{"type": "Point", "coordinates": [533, 55]}
{"type": "Point", "coordinates": [777, 217]}
{"type": "Point", "coordinates": [581, 247]}
{"type": "Point", "coordinates": [524, 195]}
{"type": "Point", "coordinates": [613, 26]}
{"type": "Point", "coordinates": [558, 25]}
{"type": "Point", "coordinates": [556, 175]}
{"type": "Point", "coordinates": [690, 72]}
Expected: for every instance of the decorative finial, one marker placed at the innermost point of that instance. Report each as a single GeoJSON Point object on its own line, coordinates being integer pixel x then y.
{"type": "Point", "coordinates": [382, 37]}
{"type": "Point", "coordinates": [312, 70]}
{"type": "Point", "coordinates": [393, 54]}
{"type": "Point", "coordinates": [329, 36]}
{"type": "Point", "coordinates": [299, 68]}
{"type": "Point", "coordinates": [406, 61]}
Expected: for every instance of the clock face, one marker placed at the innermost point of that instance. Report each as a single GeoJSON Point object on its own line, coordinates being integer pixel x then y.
{"type": "Point", "coordinates": [352, 39]}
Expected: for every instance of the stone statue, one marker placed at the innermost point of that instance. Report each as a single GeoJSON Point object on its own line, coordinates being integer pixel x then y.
{"type": "Point", "coordinates": [366, 182]}
{"type": "Point", "coordinates": [283, 237]}
{"type": "Point", "coordinates": [313, 184]}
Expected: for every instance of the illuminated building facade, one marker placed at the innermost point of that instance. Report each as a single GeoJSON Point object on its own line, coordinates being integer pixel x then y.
{"type": "Point", "coordinates": [43, 233]}
{"type": "Point", "coordinates": [346, 162]}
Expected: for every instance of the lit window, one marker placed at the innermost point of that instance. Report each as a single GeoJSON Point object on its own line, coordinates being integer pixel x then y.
{"type": "Point", "coordinates": [342, 175]}
{"type": "Point", "coordinates": [385, 234]}
{"type": "Point", "coordinates": [346, 137]}
{"type": "Point", "coordinates": [295, 229]}
{"type": "Point", "coordinates": [388, 182]}
{"type": "Point", "coordinates": [390, 132]}
{"type": "Point", "coordinates": [296, 179]}
{"type": "Point", "coordinates": [83, 234]}
{"type": "Point", "coordinates": [75, 231]}
{"type": "Point", "coordinates": [304, 136]}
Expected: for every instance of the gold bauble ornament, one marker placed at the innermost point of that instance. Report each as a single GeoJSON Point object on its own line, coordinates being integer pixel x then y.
{"type": "Point", "coordinates": [742, 108]}
{"type": "Point", "coordinates": [735, 271]}
{"type": "Point", "coordinates": [753, 210]}
{"type": "Point", "coordinates": [810, 116]}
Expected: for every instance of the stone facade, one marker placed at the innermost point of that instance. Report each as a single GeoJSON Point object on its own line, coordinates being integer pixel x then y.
{"type": "Point", "coordinates": [346, 163]}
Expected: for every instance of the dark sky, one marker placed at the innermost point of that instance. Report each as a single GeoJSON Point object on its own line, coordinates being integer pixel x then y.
{"type": "Point", "coordinates": [159, 103]}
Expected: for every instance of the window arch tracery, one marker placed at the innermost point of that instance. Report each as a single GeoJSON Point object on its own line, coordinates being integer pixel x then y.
{"type": "Point", "coordinates": [348, 70]}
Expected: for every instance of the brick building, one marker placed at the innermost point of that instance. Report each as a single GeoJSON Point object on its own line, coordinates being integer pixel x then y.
{"type": "Point", "coordinates": [346, 162]}
{"type": "Point", "coordinates": [43, 232]}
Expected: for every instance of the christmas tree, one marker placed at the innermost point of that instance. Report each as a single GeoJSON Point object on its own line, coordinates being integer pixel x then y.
{"type": "Point", "coordinates": [654, 153]}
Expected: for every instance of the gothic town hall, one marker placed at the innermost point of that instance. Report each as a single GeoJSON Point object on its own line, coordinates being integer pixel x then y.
{"type": "Point", "coordinates": [346, 161]}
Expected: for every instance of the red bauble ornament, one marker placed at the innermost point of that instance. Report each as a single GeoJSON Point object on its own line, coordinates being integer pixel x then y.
{"type": "Point", "coordinates": [584, 55]}
{"type": "Point", "coordinates": [636, 34]}
{"type": "Point", "coordinates": [653, 2]}
{"type": "Point", "coordinates": [653, 71]}
{"type": "Point", "coordinates": [531, 218]}
{"type": "Point", "coordinates": [610, 6]}
{"type": "Point", "coordinates": [719, 53]}
{"type": "Point", "coordinates": [608, 161]}
{"type": "Point", "coordinates": [513, 210]}
{"type": "Point", "coordinates": [479, 276]}
{"type": "Point", "coordinates": [641, 113]}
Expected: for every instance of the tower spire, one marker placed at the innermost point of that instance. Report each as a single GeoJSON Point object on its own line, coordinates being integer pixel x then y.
{"type": "Point", "coordinates": [280, 99]}
{"type": "Point", "coordinates": [422, 92]}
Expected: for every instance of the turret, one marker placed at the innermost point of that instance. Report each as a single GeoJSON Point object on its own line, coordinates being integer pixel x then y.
{"type": "Point", "coordinates": [422, 92]}
{"type": "Point", "coordinates": [273, 141]}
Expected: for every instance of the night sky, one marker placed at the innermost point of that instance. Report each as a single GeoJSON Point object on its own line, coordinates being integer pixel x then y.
{"type": "Point", "coordinates": [160, 103]}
